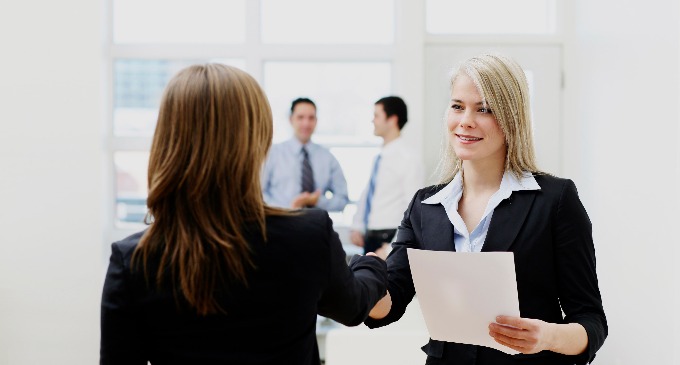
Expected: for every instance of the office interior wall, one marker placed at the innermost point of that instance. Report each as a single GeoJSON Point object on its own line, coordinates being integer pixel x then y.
{"type": "Point", "coordinates": [50, 181]}
{"type": "Point", "coordinates": [621, 147]}
{"type": "Point", "coordinates": [409, 68]}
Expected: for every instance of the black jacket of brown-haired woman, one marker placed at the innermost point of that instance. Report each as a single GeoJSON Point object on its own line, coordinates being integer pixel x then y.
{"type": "Point", "coordinates": [300, 272]}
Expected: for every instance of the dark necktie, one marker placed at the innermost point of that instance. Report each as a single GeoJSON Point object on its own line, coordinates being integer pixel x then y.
{"type": "Point", "coordinates": [307, 173]}
{"type": "Point", "coordinates": [371, 189]}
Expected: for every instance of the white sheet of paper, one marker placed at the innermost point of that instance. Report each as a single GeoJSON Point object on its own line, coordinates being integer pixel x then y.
{"type": "Point", "coordinates": [461, 293]}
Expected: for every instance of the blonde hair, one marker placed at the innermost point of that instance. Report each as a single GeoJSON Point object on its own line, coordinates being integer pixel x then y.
{"type": "Point", "coordinates": [503, 86]}
{"type": "Point", "coordinates": [213, 132]}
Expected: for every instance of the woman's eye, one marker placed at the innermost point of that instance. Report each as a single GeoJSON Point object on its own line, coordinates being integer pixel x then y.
{"type": "Point", "coordinates": [485, 110]}
{"type": "Point", "coordinates": [457, 107]}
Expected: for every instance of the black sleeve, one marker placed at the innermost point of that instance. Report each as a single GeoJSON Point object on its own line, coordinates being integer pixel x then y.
{"type": "Point", "coordinates": [577, 279]}
{"type": "Point", "coordinates": [400, 282]}
{"type": "Point", "coordinates": [120, 338]}
{"type": "Point", "coordinates": [352, 291]}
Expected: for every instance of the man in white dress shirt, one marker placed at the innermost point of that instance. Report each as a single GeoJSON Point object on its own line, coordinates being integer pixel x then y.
{"type": "Point", "coordinates": [396, 175]}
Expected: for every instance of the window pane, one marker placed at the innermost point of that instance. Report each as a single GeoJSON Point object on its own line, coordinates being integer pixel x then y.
{"type": "Point", "coordinates": [178, 21]}
{"type": "Point", "coordinates": [490, 17]}
{"type": "Point", "coordinates": [328, 22]}
{"type": "Point", "coordinates": [138, 86]}
{"type": "Point", "coordinates": [131, 186]}
{"type": "Point", "coordinates": [356, 162]}
{"type": "Point", "coordinates": [344, 94]}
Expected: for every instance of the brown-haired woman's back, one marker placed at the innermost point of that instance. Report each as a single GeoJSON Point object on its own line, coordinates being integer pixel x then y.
{"type": "Point", "coordinates": [300, 271]}
{"type": "Point", "coordinates": [218, 277]}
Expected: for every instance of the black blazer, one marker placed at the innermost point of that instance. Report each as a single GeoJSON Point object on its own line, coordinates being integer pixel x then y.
{"type": "Point", "coordinates": [300, 271]}
{"type": "Point", "coordinates": [549, 232]}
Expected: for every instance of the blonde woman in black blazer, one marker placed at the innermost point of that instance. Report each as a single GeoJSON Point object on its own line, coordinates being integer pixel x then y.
{"type": "Point", "coordinates": [490, 183]}
{"type": "Point", "coordinates": [219, 277]}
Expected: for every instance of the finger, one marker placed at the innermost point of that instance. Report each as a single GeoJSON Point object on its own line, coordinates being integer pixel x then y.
{"type": "Point", "coordinates": [512, 346]}
{"type": "Point", "coordinates": [504, 330]}
{"type": "Point", "coordinates": [520, 342]}
{"type": "Point", "coordinates": [517, 322]}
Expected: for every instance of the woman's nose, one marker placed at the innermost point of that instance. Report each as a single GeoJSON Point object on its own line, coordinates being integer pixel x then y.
{"type": "Point", "coordinates": [466, 121]}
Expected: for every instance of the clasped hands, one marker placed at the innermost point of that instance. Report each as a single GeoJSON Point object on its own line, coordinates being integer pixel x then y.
{"type": "Point", "coordinates": [305, 199]}
{"type": "Point", "coordinates": [382, 308]}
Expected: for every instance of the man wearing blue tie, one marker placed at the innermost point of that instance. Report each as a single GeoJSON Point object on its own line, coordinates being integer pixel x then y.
{"type": "Point", "coordinates": [397, 173]}
{"type": "Point", "coordinates": [299, 173]}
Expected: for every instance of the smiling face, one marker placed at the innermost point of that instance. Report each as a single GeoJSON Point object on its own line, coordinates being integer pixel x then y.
{"type": "Point", "coordinates": [473, 130]}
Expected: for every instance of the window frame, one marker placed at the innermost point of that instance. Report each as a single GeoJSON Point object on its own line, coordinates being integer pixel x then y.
{"type": "Point", "coordinates": [255, 53]}
{"type": "Point", "coordinates": [406, 55]}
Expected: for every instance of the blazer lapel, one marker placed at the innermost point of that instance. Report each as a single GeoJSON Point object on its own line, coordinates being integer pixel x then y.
{"type": "Point", "coordinates": [508, 218]}
{"type": "Point", "coordinates": [437, 229]}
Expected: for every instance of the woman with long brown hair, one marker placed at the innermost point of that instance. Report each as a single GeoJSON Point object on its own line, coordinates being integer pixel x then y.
{"type": "Point", "coordinates": [219, 277]}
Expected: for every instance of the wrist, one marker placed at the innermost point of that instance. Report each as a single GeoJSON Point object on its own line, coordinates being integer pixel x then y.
{"type": "Point", "coordinates": [567, 338]}
{"type": "Point", "coordinates": [553, 336]}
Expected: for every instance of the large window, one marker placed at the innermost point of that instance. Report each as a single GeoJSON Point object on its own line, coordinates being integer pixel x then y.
{"type": "Point", "coordinates": [294, 48]}
{"type": "Point", "coordinates": [343, 55]}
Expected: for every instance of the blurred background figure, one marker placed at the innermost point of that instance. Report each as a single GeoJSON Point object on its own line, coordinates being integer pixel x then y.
{"type": "Point", "coordinates": [299, 173]}
{"type": "Point", "coordinates": [397, 173]}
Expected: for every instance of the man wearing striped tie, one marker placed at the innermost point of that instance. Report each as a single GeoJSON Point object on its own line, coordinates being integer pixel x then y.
{"type": "Point", "coordinates": [299, 173]}
{"type": "Point", "coordinates": [396, 175]}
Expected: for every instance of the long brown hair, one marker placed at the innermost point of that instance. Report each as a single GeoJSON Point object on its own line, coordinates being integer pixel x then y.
{"type": "Point", "coordinates": [213, 133]}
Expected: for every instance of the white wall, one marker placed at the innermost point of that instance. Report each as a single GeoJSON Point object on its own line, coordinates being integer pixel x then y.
{"type": "Point", "coordinates": [621, 147]}
{"type": "Point", "coordinates": [50, 181]}
{"type": "Point", "coordinates": [409, 67]}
